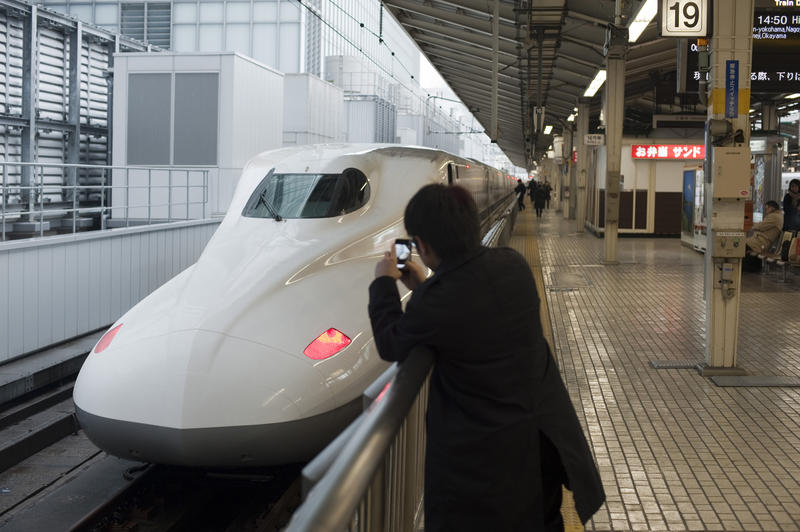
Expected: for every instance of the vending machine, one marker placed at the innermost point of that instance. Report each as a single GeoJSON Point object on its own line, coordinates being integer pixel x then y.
{"type": "Point", "coordinates": [693, 214]}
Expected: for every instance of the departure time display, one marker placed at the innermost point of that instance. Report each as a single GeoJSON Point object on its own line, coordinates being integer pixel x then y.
{"type": "Point", "coordinates": [776, 50]}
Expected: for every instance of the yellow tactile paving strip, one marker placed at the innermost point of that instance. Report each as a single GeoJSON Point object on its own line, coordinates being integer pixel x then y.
{"type": "Point", "coordinates": [523, 239]}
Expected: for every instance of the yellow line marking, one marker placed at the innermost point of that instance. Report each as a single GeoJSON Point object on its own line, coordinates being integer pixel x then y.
{"type": "Point", "coordinates": [524, 240]}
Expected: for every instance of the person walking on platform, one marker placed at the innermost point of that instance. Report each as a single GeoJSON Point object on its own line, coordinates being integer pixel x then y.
{"type": "Point", "coordinates": [532, 189]}
{"type": "Point", "coordinates": [539, 200]}
{"type": "Point", "coordinates": [791, 207]}
{"type": "Point", "coordinates": [502, 434]}
{"type": "Point", "coordinates": [766, 232]}
{"type": "Point", "coordinates": [520, 191]}
{"type": "Point", "coordinates": [548, 189]}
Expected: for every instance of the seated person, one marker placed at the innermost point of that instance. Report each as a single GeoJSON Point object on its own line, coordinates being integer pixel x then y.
{"type": "Point", "coordinates": [767, 231]}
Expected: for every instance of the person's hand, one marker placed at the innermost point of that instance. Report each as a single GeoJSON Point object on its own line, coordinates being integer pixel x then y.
{"type": "Point", "coordinates": [413, 275]}
{"type": "Point", "coordinates": [387, 266]}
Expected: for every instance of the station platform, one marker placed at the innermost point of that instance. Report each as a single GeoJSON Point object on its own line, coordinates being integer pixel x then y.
{"type": "Point", "coordinates": [676, 451]}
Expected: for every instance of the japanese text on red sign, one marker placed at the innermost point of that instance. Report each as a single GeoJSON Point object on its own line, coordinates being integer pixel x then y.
{"type": "Point", "coordinates": [668, 151]}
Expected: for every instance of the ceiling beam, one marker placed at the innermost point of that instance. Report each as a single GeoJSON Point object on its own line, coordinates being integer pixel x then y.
{"type": "Point", "coordinates": [461, 34]}
{"type": "Point", "coordinates": [507, 31]}
{"type": "Point", "coordinates": [449, 44]}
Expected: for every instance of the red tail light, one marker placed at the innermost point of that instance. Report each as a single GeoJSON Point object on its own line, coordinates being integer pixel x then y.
{"type": "Point", "coordinates": [327, 344]}
{"type": "Point", "coordinates": [105, 341]}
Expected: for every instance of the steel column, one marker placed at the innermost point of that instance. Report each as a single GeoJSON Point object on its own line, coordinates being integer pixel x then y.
{"type": "Point", "coordinates": [614, 111]}
{"type": "Point", "coordinates": [74, 109]}
{"type": "Point", "coordinates": [29, 83]}
{"type": "Point", "coordinates": [583, 162]}
{"type": "Point", "coordinates": [569, 175]}
{"type": "Point", "coordinates": [732, 41]}
{"type": "Point", "coordinates": [495, 48]}
{"type": "Point", "coordinates": [769, 117]}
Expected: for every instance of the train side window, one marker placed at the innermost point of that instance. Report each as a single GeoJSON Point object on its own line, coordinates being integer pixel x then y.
{"type": "Point", "coordinates": [308, 195]}
{"type": "Point", "coordinates": [450, 174]}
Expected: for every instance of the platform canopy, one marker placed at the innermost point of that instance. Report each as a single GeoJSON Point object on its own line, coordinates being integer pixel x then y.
{"type": "Point", "coordinates": [568, 36]}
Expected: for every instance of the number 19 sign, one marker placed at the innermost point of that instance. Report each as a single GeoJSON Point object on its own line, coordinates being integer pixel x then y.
{"type": "Point", "coordinates": [684, 18]}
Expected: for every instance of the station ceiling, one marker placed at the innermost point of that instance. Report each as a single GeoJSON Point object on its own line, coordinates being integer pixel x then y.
{"type": "Point", "coordinates": [568, 35]}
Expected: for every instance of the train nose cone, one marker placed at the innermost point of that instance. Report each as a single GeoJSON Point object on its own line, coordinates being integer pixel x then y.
{"type": "Point", "coordinates": [195, 397]}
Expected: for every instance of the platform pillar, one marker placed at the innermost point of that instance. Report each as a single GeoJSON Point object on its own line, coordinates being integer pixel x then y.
{"type": "Point", "coordinates": [614, 112]}
{"type": "Point", "coordinates": [583, 163]}
{"type": "Point", "coordinates": [727, 176]}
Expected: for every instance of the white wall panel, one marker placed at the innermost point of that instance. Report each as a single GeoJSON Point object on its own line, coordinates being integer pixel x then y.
{"type": "Point", "coordinates": [64, 286]}
{"type": "Point", "coordinates": [313, 110]}
{"type": "Point", "coordinates": [45, 324]}
{"type": "Point", "coordinates": [5, 303]}
{"type": "Point", "coordinates": [29, 301]}
{"type": "Point", "coordinates": [16, 298]}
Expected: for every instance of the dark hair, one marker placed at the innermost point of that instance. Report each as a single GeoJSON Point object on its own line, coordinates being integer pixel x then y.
{"type": "Point", "coordinates": [446, 218]}
{"type": "Point", "coordinates": [773, 204]}
{"type": "Point", "coordinates": [794, 181]}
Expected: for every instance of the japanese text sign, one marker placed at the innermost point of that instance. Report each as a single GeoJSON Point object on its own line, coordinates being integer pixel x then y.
{"type": "Point", "coordinates": [668, 151]}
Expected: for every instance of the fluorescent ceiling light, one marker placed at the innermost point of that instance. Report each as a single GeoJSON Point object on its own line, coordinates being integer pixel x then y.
{"type": "Point", "coordinates": [571, 118]}
{"type": "Point", "coordinates": [793, 96]}
{"type": "Point", "coordinates": [596, 83]}
{"type": "Point", "coordinates": [547, 129]}
{"type": "Point", "coordinates": [642, 19]}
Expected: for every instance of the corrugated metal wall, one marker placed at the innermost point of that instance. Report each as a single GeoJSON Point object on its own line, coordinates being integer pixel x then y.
{"type": "Point", "coordinates": [51, 92]}
{"type": "Point", "coordinates": [67, 286]}
{"type": "Point", "coordinates": [10, 84]}
{"type": "Point", "coordinates": [370, 119]}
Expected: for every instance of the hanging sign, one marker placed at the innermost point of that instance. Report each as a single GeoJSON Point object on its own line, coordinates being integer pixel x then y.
{"type": "Point", "coordinates": [594, 139]}
{"type": "Point", "coordinates": [668, 151]}
{"type": "Point", "coordinates": [684, 18]}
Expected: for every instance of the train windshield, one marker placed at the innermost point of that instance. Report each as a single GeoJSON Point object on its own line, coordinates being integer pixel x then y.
{"type": "Point", "coordinates": [308, 195]}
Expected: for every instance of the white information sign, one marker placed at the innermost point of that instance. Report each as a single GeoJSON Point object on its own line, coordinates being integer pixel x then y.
{"type": "Point", "coordinates": [594, 139]}
{"type": "Point", "coordinates": [684, 18]}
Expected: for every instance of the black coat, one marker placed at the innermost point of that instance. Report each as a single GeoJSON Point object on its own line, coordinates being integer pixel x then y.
{"type": "Point", "coordinates": [539, 198]}
{"type": "Point", "coordinates": [495, 387]}
{"type": "Point", "coordinates": [791, 216]}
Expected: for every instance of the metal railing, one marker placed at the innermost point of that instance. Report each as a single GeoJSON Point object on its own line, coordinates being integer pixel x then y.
{"type": "Point", "coordinates": [42, 197]}
{"type": "Point", "coordinates": [371, 477]}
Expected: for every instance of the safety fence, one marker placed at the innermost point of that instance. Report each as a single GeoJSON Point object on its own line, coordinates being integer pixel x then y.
{"type": "Point", "coordinates": [43, 199]}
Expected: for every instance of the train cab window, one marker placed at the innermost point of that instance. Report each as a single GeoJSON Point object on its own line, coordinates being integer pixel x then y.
{"type": "Point", "coordinates": [308, 195]}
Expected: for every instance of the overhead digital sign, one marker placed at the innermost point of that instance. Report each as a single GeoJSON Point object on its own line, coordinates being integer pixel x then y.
{"type": "Point", "coordinates": [776, 50]}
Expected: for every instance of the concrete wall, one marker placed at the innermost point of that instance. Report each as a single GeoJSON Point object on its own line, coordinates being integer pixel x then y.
{"type": "Point", "coordinates": [66, 286]}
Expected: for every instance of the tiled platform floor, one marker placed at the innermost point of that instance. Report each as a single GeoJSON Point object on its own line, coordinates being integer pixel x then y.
{"type": "Point", "coordinates": [675, 451]}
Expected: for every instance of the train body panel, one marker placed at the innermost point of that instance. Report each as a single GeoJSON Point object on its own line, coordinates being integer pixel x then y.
{"type": "Point", "coordinates": [221, 346]}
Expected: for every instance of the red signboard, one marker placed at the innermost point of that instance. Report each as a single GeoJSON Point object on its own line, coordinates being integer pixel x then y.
{"type": "Point", "coordinates": [668, 151]}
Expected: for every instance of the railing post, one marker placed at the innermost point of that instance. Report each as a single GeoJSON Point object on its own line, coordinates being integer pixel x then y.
{"type": "Point", "coordinates": [187, 194]}
{"type": "Point", "coordinates": [169, 195]}
{"type": "Point", "coordinates": [410, 469]}
{"type": "Point", "coordinates": [5, 189]}
{"type": "Point", "coordinates": [75, 194]}
{"type": "Point", "coordinates": [149, 193]}
{"type": "Point", "coordinates": [375, 521]}
{"type": "Point", "coordinates": [127, 196]}
{"type": "Point", "coordinates": [103, 202]}
{"type": "Point", "coordinates": [41, 198]}
{"type": "Point", "coordinates": [205, 192]}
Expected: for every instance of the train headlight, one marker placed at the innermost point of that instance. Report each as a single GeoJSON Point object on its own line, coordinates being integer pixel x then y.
{"type": "Point", "coordinates": [105, 341]}
{"type": "Point", "coordinates": [326, 344]}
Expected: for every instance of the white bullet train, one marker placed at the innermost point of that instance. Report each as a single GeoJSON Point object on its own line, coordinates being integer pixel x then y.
{"type": "Point", "coordinates": [258, 353]}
